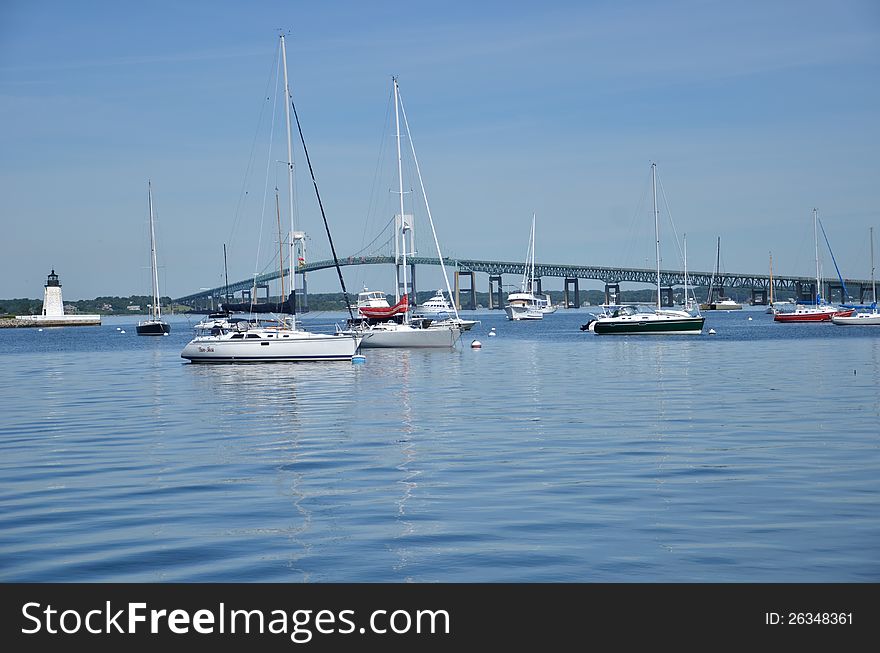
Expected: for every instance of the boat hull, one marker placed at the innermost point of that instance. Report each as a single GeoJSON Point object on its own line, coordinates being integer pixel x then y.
{"type": "Point", "coordinates": [405, 336]}
{"type": "Point", "coordinates": [464, 325]}
{"type": "Point", "coordinates": [858, 318]}
{"type": "Point", "coordinates": [810, 316]}
{"type": "Point", "coordinates": [671, 326]}
{"type": "Point", "coordinates": [720, 307]}
{"type": "Point", "coordinates": [153, 328]}
{"type": "Point", "coordinates": [300, 347]}
{"type": "Point", "coordinates": [523, 313]}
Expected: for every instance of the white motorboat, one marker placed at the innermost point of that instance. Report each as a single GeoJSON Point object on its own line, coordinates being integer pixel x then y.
{"type": "Point", "coordinates": [435, 308]}
{"type": "Point", "coordinates": [441, 312]}
{"type": "Point", "coordinates": [523, 306]}
{"type": "Point", "coordinates": [371, 299]}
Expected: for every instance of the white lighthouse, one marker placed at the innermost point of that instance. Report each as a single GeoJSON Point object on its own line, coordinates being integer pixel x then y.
{"type": "Point", "coordinates": [52, 304]}
{"type": "Point", "coordinates": [53, 309]}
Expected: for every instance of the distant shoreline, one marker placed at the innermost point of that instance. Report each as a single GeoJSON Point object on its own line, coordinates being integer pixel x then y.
{"type": "Point", "coordinates": [14, 323]}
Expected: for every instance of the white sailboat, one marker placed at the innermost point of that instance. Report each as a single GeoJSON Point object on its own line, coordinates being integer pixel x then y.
{"type": "Point", "coordinates": [402, 329]}
{"type": "Point", "coordinates": [526, 304]}
{"type": "Point", "coordinates": [154, 325]}
{"type": "Point", "coordinates": [871, 316]}
{"type": "Point", "coordinates": [278, 339]}
{"type": "Point", "coordinates": [632, 320]}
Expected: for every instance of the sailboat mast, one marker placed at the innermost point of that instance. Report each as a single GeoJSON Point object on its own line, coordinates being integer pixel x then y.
{"type": "Point", "coordinates": [288, 97]}
{"type": "Point", "coordinates": [656, 227]}
{"type": "Point", "coordinates": [873, 285]}
{"type": "Point", "coordinates": [226, 273]}
{"type": "Point", "coordinates": [685, 302]}
{"type": "Point", "coordinates": [532, 262]}
{"type": "Point", "coordinates": [428, 208]}
{"type": "Point", "coordinates": [717, 265]}
{"type": "Point", "coordinates": [816, 238]}
{"type": "Point", "coordinates": [155, 310]}
{"type": "Point", "coordinates": [280, 245]}
{"type": "Point", "coordinates": [400, 180]}
{"type": "Point", "coordinates": [771, 278]}
{"type": "Point", "coordinates": [714, 271]}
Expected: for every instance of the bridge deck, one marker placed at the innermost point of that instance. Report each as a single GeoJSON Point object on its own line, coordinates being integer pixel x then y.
{"type": "Point", "coordinates": [598, 273]}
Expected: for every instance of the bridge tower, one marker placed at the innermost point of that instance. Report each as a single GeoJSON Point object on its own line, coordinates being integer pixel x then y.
{"type": "Point", "coordinates": [301, 299]}
{"type": "Point", "coordinates": [404, 246]}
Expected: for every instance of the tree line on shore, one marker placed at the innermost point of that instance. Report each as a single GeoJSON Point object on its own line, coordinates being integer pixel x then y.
{"type": "Point", "coordinates": [135, 304]}
{"type": "Point", "coordinates": [99, 305]}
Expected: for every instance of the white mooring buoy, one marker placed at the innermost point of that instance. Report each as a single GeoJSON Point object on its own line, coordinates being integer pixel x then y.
{"type": "Point", "coordinates": [711, 332]}
{"type": "Point", "coordinates": [476, 344]}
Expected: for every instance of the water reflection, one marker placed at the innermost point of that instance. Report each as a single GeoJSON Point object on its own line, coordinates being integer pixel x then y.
{"type": "Point", "coordinates": [544, 456]}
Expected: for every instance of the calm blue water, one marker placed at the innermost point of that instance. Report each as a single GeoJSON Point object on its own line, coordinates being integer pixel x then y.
{"type": "Point", "coordinates": [550, 454]}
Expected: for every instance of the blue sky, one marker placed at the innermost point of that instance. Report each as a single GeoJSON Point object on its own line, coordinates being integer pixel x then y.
{"type": "Point", "coordinates": [755, 113]}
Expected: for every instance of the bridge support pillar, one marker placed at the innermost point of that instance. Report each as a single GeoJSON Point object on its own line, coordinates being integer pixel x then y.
{"type": "Point", "coordinates": [572, 298]}
{"type": "Point", "coordinates": [612, 293]}
{"type": "Point", "coordinates": [266, 288]}
{"type": "Point", "coordinates": [496, 294]}
{"type": "Point", "coordinates": [472, 290]}
{"type": "Point", "coordinates": [836, 289]}
{"type": "Point", "coordinates": [410, 286]}
{"type": "Point", "coordinates": [805, 291]}
{"type": "Point", "coordinates": [759, 296]}
{"type": "Point", "coordinates": [865, 292]}
{"type": "Point", "coordinates": [537, 289]}
{"type": "Point", "coordinates": [667, 297]}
